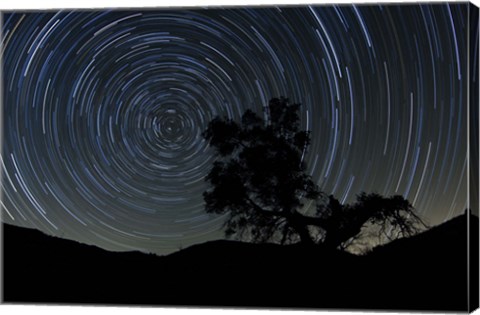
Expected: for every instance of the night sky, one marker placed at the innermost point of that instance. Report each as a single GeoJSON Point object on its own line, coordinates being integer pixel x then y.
{"type": "Point", "coordinates": [103, 110]}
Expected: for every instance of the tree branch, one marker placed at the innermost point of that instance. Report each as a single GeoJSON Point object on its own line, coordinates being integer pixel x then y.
{"type": "Point", "coordinates": [300, 218]}
{"type": "Point", "coordinates": [265, 212]}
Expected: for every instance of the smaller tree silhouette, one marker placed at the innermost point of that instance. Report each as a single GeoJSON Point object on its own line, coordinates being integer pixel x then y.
{"type": "Point", "coordinates": [393, 217]}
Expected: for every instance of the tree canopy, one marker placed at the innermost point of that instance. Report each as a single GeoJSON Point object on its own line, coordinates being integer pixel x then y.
{"type": "Point", "coordinates": [259, 180]}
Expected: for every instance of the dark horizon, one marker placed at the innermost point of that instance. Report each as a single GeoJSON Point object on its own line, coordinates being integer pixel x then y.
{"type": "Point", "coordinates": [215, 274]}
{"type": "Point", "coordinates": [104, 111]}
{"type": "Point", "coordinates": [364, 252]}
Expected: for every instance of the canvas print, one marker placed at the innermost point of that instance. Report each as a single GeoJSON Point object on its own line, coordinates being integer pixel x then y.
{"type": "Point", "coordinates": [303, 156]}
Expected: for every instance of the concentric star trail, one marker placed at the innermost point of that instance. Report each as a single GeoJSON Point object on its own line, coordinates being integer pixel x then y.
{"type": "Point", "coordinates": [103, 110]}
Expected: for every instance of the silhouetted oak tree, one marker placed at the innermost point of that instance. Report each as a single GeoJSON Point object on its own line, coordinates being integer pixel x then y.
{"type": "Point", "coordinates": [259, 180]}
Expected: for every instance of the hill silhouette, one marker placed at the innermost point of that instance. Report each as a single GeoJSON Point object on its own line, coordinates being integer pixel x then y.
{"type": "Point", "coordinates": [442, 267]}
{"type": "Point", "coordinates": [424, 272]}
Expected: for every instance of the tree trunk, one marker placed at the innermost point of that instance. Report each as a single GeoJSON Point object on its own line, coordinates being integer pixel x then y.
{"type": "Point", "coordinates": [304, 235]}
{"type": "Point", "coordinates": [297, 222]}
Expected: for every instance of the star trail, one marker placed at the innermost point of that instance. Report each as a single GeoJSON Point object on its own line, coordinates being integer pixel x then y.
{"type": "Point", "coordinates": [103, 110]}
